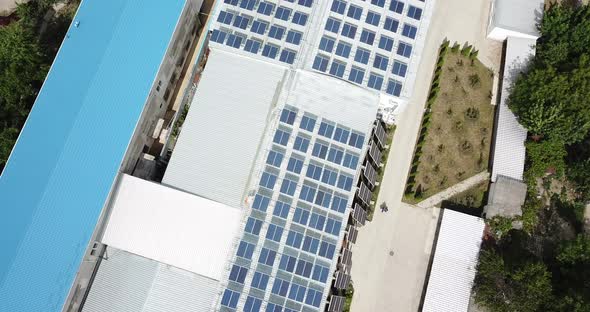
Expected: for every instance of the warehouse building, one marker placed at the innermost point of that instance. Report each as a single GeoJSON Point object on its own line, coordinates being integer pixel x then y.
{"type": "Point", "coordinates": [105, 89]}
{"type": "Point", "coordinates": [270, 175]}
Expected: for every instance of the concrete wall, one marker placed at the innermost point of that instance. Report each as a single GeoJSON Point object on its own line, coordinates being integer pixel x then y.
{"type": "Point", "coordinates": [162, 91]}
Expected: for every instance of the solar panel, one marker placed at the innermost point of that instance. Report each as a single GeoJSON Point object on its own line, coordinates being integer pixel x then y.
{"type": "Point", "coordinates": [370, 173]}
{"type": "Point", "coordinates": [380, 134]}
{"type": "Point", "coordinates": [352, 233]}
{"type": "Point", "coordinates": [375, 153]}
{"type": "Point", "coordinates": [359, 215]}
{"type": "Point", "coordinates": [336, 304]}
{"type": "Point", "coordinates": [364, 194]}
{"type": "Point", "coordinates": [342, 280]}
{"type": "Point", "coordinates": [346, 257]}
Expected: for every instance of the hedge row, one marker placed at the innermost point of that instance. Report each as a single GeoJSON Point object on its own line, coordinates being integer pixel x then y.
{"type": "Point", "coordinates": [426, 118]}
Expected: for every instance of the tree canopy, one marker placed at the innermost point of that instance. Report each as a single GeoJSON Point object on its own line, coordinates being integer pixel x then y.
{"type": "Point", "coordinates": [25, 57]}
{"type": "Point", "coordinates": [552, 99]}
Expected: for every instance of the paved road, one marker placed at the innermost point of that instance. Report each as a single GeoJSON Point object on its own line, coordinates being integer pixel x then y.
{"type": "Point", "coordinates": [394, 283]}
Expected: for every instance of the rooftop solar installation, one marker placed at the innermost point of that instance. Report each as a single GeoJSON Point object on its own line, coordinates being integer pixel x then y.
{"type": "Point", "coordinates": [60, 172]}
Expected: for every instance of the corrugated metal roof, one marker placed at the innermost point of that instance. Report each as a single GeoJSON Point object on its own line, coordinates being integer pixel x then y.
{"type": "Point", "coordinates": [454, 264]}
{"type": "Point", "coordinates": [216, 149]}
{"type": "Point", "coordinates": [171, 226]}
{"type": "Point", "coordinates": [509, 150]}
{"type": "Point", "coordinates": [61, 170]}
{"type": "Point", "coordinates": [129, 283]}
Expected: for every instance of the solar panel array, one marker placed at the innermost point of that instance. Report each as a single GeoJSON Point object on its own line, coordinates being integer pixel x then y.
{"type": "Point", "coordinates": [369, 43]}
{"type": "Point", "coordinates": [273, 30]}
{"type": "Point", "coordinates": [287, 255]}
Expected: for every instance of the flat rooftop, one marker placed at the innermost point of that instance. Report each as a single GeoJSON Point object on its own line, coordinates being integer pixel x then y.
{"type": "Point", "coordinates": [219, 141]}
{"type": "Point", "coordinates": [68, 154]}
{"type": "Point", "coordinates": [171, 226]}
{"type": "Point", "coordinates": [520, 16]}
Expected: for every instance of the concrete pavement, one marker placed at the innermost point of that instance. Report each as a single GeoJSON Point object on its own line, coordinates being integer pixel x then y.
{"type": "Point", "coordinates": [394, 283]}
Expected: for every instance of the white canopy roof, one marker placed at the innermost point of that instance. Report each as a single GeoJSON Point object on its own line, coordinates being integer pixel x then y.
{"type": "Point", "coordinates": [454, 264]}
{"type": "Point", "coordinates": [171, 226]}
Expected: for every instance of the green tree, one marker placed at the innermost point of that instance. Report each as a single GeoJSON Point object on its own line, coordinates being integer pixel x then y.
{"type": "Point", "coordinates": [574, 274]}
{"type": "Point", "coordinates": [579, 173]}
{"type": "Point", "coordinates": [551, 97]}
{"type": "Point", "coordinates": [502, 288]}
{"type": "Point", "coordinates": [544, 156]}
{"type": "Point", "coordinates": [21, 69]}
{"type": "Point", "coordinates": [7, 138]}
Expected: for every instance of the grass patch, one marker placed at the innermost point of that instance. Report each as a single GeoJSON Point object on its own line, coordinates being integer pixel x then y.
{"type": "Point", "coordinates": [470, 201]}
{"type": "Point", "coordinates": [348, 295]}
{"type": "Point", "coordinates": [380, 171]}
{"type": "Point", "coordinates": [454, 141]}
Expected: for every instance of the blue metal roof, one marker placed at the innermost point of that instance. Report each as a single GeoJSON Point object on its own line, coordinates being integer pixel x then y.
{"type": "Point", "coordinates": [59, 175]}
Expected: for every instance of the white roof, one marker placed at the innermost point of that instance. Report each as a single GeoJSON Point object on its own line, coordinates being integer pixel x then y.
{"type": "Point", "coordinates": [338, 100]}
{"type": "Point", "coordinates": [519, 17]}
{"type": "Point", "coordinates": [454, 265]}
{"type": "Point", "coordinates": [126, 282]}
{"type": "Point", "coordinates": [171, 226]}
{"type": "Point", "coordinates": [216, 149]}
{"type": "Point", "coordinates": [509, 150]}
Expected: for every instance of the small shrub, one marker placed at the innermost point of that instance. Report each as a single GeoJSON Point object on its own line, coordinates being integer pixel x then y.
{"type": "Point", "coordinates": [450, 112]}
{"type": "Point", "coordinates": [472, 113]}
{"type": "Point", "coordinates": [466, 49]}
{"type": "Point", "coordinates": [474, 80]}
{"type": "Point", "coordinates": [459, 62]}
{"type": "Point", "coordinates": [436, 168]}
{"type": "Point", "coordinates": [443, 181]}
{"type": "Point", "coordinates": [440, 148]}
{"type": "Point", "coordinates": [473, 54]}
{"type": "Point", "coordinates": [418, 193]}
{"type": "Point", "coordinates": [459, 175]}
{"type": "Point", "coordinates": [466, 147]}
{"type": "Point", "coordinates": [490, 95]}
{"type": "Point", "coordinates": [458, 125]}
{"type": "Point", "coordinates": [457, 80]}
{"type": "Point", "coordinates": [455, 47]}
